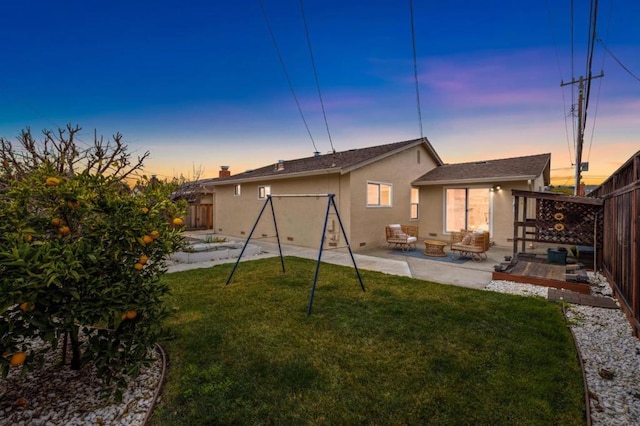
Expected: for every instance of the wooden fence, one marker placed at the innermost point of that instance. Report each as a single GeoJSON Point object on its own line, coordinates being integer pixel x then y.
{"type": "Point", "coordinates": [621, 236]}
{"type": "Point", "coordinates": [199, 216]}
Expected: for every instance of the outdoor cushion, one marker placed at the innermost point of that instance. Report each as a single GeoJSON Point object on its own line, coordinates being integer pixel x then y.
{"type": "Point", "coordinates": [466, 239]}
{"type": "Point", "coordinates": [396, 229]}
{"type": "Point", "coordinates": [411, 240]}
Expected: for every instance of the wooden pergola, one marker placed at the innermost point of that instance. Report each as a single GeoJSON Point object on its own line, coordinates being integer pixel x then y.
{"type": "Point", "coordinates": [546, 217]}
{"type": "Point", "coordinates": [554, 219]}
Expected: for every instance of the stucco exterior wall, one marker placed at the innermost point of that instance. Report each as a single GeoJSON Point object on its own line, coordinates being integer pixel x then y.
{"type": "Point", "coordinates": [399, 170]}
{"type": "Point", "coordinates": [503, 213]}
{"type": "Point", "coordinates": [432, 205]}
{"type": "Point", "coordinates": [432, 213]}
{"type": "Point", "coordinates": [300, 220]}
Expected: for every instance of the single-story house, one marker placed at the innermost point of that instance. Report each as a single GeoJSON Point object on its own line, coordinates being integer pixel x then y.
{"type": "Point", "coordinates": [403, 182]}
{"type": "Point", "coordinates": [477, 195]}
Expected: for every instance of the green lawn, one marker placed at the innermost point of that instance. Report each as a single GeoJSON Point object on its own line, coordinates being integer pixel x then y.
{"type": "Point", "coordinates": [405, 352]}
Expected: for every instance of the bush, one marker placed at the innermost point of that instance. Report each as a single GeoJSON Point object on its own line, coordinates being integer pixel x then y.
{"type": "Point", "coordinates": [81, 254]}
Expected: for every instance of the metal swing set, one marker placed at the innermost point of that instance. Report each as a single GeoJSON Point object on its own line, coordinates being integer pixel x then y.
{"type": "Point", "coordinates": [330, 203]}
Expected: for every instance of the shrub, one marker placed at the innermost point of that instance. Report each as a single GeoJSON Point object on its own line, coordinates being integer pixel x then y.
{"type": "Point", "coordinates": [81, 254]}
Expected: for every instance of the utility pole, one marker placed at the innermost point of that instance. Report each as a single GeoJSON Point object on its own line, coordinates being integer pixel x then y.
{"type": "Point", "coordinates": [580, 131]}
{"type": "Point", "coordinates": [580, 136]}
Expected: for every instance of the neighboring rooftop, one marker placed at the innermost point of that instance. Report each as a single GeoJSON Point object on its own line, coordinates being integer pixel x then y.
{"type": "Point", "coordinates": [505, 169]}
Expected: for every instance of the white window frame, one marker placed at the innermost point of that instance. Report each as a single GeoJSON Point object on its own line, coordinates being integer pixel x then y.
{"type": "Point", "coordinates": [416, 203]}
{"type": "Point", "coordinates": [237, 190]}
{"type": "Point", "coordinates": [264, 191]}
{"type": "Point", "coordinates": [466, 188]}
{"type": "Point", "coordinates": [379, 186]}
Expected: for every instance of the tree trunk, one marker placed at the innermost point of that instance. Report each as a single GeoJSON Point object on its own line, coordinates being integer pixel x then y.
{"type": "Point", "coordinates": [64, 348]}
{"type": "Point", "coordinates": [76, 354]}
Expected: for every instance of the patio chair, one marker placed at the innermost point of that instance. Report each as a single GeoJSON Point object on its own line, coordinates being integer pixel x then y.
{"type": "Point", "coordinates": [402, 236]}
{"type": "Point", "coordinates": [469, 243]}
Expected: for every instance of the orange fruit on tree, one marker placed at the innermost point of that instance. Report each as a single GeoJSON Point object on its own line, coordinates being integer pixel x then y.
{"type": "Point", "coordinates": [28, 237]}
{"type": "Point", "coordinates": [73, 205]}
{"type": "Point", "coordinates": [18, 358]}
{"type": "Point", "coordinates": [52, 181]}
{"type": "Point", "coordinates": [144, 210]}
{"type": "Point", "coordinates": [138, 266]}
{"type": "Point", "coordinates": [27, 306]}
{"type": "Point", "coordinates": [131, 314]}
{"type": "Point", "coordinates": [147, 239]}
{"type": "Point", "coordinates": [177, 221]}
{"type": "Point", "coordinates": [56, 221]}
{"type": "Point", "coordinates": [154, 234]}
{"type": "Point", "coordinates": [143, 259]}
{"type": "Point", "coordinates": [64, 230]}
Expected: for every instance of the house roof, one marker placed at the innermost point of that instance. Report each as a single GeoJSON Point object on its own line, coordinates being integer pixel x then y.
{"type": "Point", "coordinates": [505, 169]}
{"type": "Point", "coordinates": [338, 162]}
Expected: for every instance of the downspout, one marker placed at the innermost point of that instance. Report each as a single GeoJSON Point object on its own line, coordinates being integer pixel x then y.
{"type": "Point", "coordinates": [595, 242]}
{"type": "Point", "coordinates": [213, 210]}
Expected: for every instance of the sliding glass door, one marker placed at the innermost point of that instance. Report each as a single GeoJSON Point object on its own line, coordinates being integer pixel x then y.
{"type": "Point", "coordinates": [467, 208]}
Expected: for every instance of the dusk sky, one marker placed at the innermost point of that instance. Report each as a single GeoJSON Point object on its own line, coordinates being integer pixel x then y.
{"type": "Point", "coordinates": [199, 84]}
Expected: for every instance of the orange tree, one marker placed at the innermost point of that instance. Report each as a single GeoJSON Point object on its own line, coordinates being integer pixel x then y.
{"type": "Point", "coordinates": [81, 255]}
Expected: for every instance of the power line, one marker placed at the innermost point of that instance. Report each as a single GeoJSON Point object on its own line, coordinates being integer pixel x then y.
{"type": "Point", "coordinates": [615, 58]}
{"type": "Point", "coordinates": [573, 73]}
{"type": "Point", "coordinates": [593, 20]}
{"type": "Point", "coordinates": [564, 101]}
{"type": "Point", "coordinates": [315, 73]}
{"type": "Point", "coordinates": [592, 41]}
{"type": "Point", "coordinates": [286, 74]}
{"type": "Point", "coordinates": [584, 92]}
{"type": "Point", "coordinates": [415, 68]}
{"type": "Point", "coordinates": [593, 127]}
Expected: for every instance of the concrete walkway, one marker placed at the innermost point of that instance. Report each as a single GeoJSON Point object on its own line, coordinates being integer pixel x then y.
{"type": "Point", "coordinates": [470, 274]}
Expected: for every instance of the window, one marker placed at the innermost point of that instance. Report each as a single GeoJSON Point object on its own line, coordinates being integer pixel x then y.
{"type": "Point", "coordinates": [415, 201]}
{"type": "Point", "coordinates": [467, 208]}
{"type": "Point", "coordinates": [378, 194]}
{"type": "Point", "coordinates": [263, 192]}
{"type": "Point", "coordinates": [236, 189]}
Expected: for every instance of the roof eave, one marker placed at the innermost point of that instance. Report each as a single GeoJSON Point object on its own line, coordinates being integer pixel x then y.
{"type": "Point", "coordinates": [418, 142]}
{"type": "Point", "coordinates": [493, 179]}
{"type": "Point", "coordinates": [233, 181]}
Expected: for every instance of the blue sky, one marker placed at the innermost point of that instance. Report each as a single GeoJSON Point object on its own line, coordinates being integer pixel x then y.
{"type": "Point", "coordinates": [200, 85]}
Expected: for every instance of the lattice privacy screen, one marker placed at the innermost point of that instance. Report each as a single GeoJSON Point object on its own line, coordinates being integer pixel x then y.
{"type": "Point", "coordinates": [562, 222]}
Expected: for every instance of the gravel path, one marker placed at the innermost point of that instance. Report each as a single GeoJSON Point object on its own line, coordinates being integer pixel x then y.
{"type": "Point", "coordinates": [610, 353]}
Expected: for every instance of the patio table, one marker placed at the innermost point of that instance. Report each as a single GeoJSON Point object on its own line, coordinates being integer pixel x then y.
{"type": "Point", "coordinates": [434, 248]}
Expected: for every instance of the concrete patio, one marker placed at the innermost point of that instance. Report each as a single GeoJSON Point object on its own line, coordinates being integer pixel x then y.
{"type": "Point", "coordinates": [472, 274]}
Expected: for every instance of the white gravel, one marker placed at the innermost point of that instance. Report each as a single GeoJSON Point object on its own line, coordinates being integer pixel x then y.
{"type": "Point", "coordinates": [610, 353]}
{"type": "Point", "coordinates": [61, 396]}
